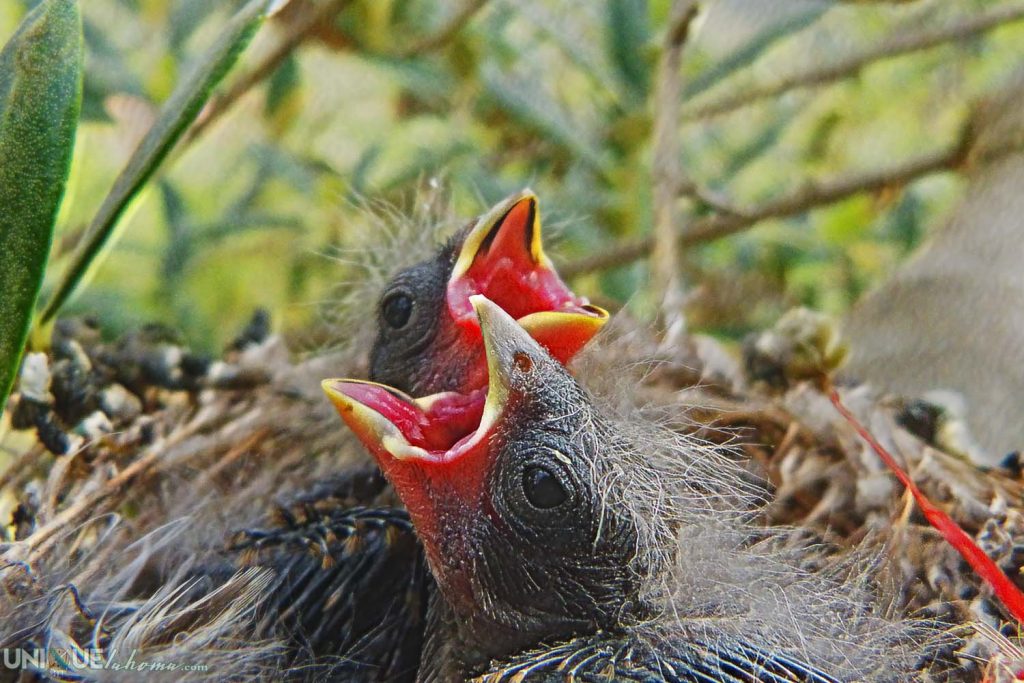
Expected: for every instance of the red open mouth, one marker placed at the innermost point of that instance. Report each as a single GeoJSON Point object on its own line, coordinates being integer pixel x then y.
{"type": "Point", "coordinates": [502, 259]}
{"type": "Point", "coordinates": [438, 429]}
{"type": "Point", "coordinates": [428, 429]}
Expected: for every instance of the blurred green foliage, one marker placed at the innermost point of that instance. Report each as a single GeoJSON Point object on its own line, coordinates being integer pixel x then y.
{"type": "Point", "coordinates": [553, 94]}
{"type": "Point", "coordinates": [175, 117]}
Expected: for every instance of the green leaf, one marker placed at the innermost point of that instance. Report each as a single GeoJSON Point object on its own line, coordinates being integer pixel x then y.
{"type": "Point", "coordinates": [180, 244]}
{"type": "Point", "coordinates": [529, 106]}
{"type": "Point", "coordinates": [176, 115]}
{"type": "Point", "coordinates": [40, 96]}
{"type": "Point", "coordinates": [628, 34]}
{"type": "Point", "coordinates": [283, 83]}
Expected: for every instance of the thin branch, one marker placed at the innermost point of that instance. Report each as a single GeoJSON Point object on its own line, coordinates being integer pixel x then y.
{"type": "Point", "coordinates": [667, 173]}
{"type": "Point", "coordinates": [810, 196]}
{"type": "Point", "coordinates": [852, 65]}
{"type": "Point", "coordinates": [445, 34]}
{"type": "Point", "coordinates": [302, 27]}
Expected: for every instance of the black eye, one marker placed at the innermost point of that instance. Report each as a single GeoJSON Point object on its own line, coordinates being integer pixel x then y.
{"type": "Point", "coordinates": [397, 309]}
{"type": "Point", "coordinates": [543, 489]}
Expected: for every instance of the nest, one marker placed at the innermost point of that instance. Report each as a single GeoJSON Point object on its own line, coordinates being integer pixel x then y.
{"type": "Point", "coordinates": [135, 460]}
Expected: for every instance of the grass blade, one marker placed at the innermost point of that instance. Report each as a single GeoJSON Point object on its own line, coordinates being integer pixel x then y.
{"type": "Point", "coordinates": [40, 97]}
{"type": "Point", "coordinates": [176, 115]}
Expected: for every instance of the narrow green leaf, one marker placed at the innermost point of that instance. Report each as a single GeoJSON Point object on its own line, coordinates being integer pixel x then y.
{"type": "Point", "coordinates": [628, 33]}
{"type": "Point", "coordinates": [282, 85]}
{"type": "Point", "coordinates": [177, 114]}
{"type": "Point", "coordinates": [40, 96]}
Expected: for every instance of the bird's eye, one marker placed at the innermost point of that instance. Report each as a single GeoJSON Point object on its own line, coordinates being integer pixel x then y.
{"type": "Point", "coordinates": [543, 489]}
{"type": "Point", "coordinates": [396, 310]}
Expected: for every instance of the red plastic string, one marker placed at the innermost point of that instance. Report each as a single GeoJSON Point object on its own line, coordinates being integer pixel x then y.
{"type": "Point", "coordinates": [1004, 588]}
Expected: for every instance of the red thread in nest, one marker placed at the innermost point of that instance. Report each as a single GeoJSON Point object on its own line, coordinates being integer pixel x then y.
{"type": "Point", "coordinates": [981, 563]}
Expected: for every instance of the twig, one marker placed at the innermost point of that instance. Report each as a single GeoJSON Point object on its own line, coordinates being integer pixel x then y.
{"type": "Point", "coordinates": [211, 473]}
{"type": "Point", "coordinates": [668, 176]}
{"type": "Point", "coordinates": [808, 197]}
{"type": "Point", "coordinates": [813, 195]}
{"type": "Point", "coordinates": [304, 26]}
{"type": "Point", "coordinates": [445, 33]}
{"type": "Point", "coordinates": [852, 65]}
{"type": "Point", "coordinates": [46, 534]}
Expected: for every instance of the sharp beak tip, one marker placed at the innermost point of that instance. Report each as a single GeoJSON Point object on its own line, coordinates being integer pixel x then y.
{"type": "Point", "coordinates": [481, 305]}
{"type": "Point", "coordinates": [492, 318]}
{"type": "Point", "coordinates": [333, 389]}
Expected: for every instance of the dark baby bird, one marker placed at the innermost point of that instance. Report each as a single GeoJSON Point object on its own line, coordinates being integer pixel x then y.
{"type": "Point", "coordinates": [564, 542]}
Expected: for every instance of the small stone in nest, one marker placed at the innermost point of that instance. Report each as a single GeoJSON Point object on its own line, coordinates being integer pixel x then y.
{"type": "Point", "coordinates": [96, 425]}
{"type": "Point", "coordinates": [52, 435]}
{"type": "Point", "coordinates": [921, 419]}
{"type": "Point", "coordinates": [34, 380]}
{"type": "Point", "coordinates": [120, 404]}
{"type": "Point", "coordinates": [25, 412]}
{"type": "Point", "coordinates": [1013, 464]}
{"type": "Point", "coordinates": [74, 394]}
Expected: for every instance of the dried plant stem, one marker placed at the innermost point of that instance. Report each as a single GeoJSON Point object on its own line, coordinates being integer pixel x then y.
{"type": "Point", "coordinates": [668, 177]}
{"type": "Point", "coordinates": [809, 196]}
{"type": "Point", "coordinates": [92, 503]}
{"type": "Point", "coordinates": [852, 65]}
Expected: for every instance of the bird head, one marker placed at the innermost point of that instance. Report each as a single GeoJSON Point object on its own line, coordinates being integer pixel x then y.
{"type": "Point", "coordinates": [429, 335]}
{"type": "Point", "coordinates": [506, 487]}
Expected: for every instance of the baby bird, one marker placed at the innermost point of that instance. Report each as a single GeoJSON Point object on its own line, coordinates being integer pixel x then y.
{"type": "Point", "coordinates": [568, 545]}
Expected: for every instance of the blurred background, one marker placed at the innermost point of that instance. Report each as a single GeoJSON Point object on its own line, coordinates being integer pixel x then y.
{"type": "Point", "coordinates": [811, 149]}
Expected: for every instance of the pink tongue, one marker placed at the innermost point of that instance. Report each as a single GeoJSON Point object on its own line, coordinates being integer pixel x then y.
{"type": "Point", "coordinates": [455, 416]}
{"type": "Point", "coordinates": [446, 420]}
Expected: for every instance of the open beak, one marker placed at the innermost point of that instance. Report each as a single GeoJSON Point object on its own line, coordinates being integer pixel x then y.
{"type": "Point", "coordinates": [395, 426]}
{"type": "Point", "coordinates": [503, 259]}
{"type": "Point", "coordinates": [439, 429]}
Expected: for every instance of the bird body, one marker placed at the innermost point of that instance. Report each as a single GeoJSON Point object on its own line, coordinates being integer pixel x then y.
{"type": "Point", "coordinates": [664, 576]}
